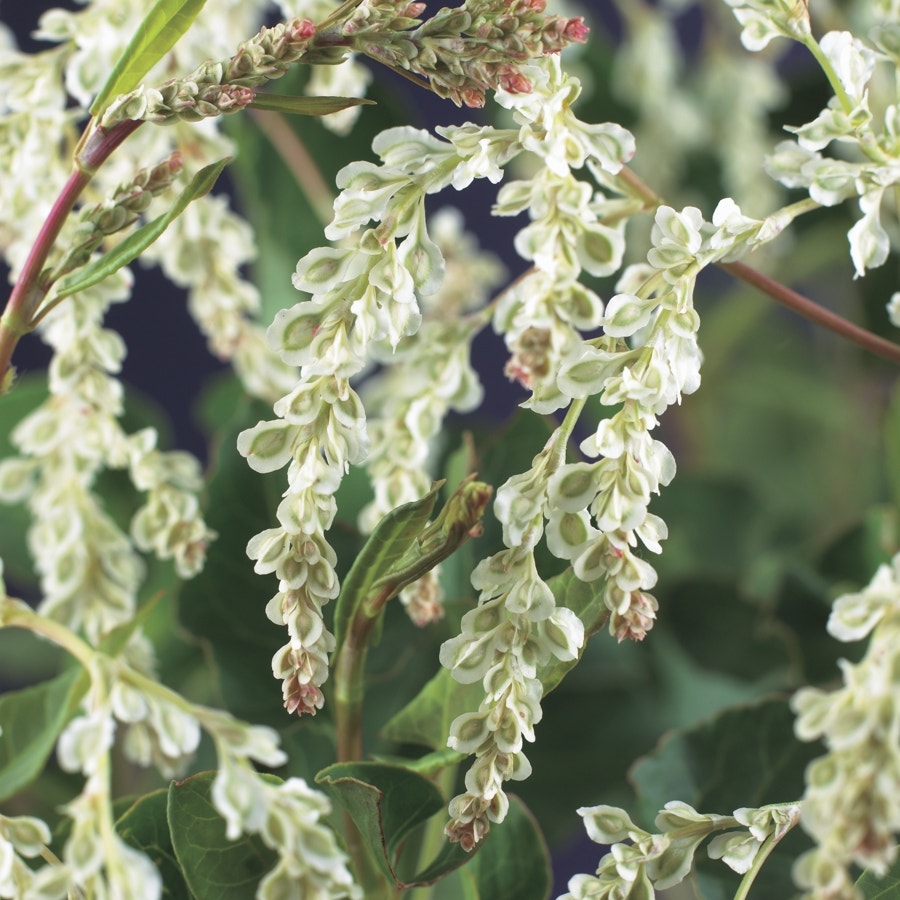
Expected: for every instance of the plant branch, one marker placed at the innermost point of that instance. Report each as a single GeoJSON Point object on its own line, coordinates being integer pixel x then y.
{"type": "Point", "coordinates": [30, 289]}
{"type": "Point", "coordinates": [812, 311]}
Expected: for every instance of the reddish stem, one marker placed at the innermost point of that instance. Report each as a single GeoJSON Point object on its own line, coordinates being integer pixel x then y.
{"type": "Point", "coordinates": [29, 290]}
{"type": "Point", "coordinates": [812, 311]}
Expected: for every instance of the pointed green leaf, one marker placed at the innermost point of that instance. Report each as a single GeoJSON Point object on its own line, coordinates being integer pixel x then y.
{"type": "Point", "coordinates": [144, 826]}
{"type": "Point", "coordinates": [32, 720]}
{"type": "Point", "coordinates": [214, 867]}
{"type": "Point", "coordinates": [387, 803]}
{"type": "Point", "coordinates": [427, 719]}
{"type": "Point", "coordinates": [392, 537]}
{"type": "Point", "coordinates": [306, 106]}
{"type": "Point", "coordinates": [137, 242]}
{"type": "Point", "coordinates": [161, 28]}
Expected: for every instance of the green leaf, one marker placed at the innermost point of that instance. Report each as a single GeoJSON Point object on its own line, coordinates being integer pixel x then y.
{"type": "Point", "coordinates": [137, 242]}
{"type": "Point", "coordinates": [427, 719]}
{"type": "Point", "coordinates": [28, 393]}
{"type": "Point", "coordinates": [306, 106]}
{"type": "Point", "coordinates": [161, 28]}
{"type": "Point", "coordinates": [887, 887]}
{"type": "Point", "coordinates": [144, 826]}
{"type": "Point", "coordinates": [32, 719]}
{"type": "Point", "coordinates": [392, 537]}
{"type": "Point", "coordinates": [586, 601]}
{"type": "Point", "coordinates": [747, 756]}
{"type": "Point", "coordinates": [387, 804]}
{"type": "Point", "coordinates": [214, 867]}
{"type": "Point", "coordinates": [515, 862]}
{"type": "Point", "coordinates": [743, 757]}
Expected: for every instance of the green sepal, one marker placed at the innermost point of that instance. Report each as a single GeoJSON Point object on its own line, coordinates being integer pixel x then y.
{"type": "Point", "coordinates": [161, 28]}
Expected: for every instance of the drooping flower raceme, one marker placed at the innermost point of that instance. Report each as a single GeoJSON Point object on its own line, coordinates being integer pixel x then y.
{"type": "Point", "coordinates": [359, 296]}
{"type": "Point", "coordinates": [851, 806]}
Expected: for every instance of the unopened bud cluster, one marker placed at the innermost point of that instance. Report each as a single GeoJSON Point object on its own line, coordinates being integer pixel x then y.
{"type": "Point", "coordinates": [99, 220]}
{"type": "Point", "coordinates": [217, 87]}
{"type": "Point", "coordinates": [463, 51]}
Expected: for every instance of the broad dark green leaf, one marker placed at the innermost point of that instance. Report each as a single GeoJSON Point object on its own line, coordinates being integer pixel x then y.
{"type": "Point", "coordinates": [161, 28]}
{"type": "Point", "coordinates": [747, 756]}
{"type": "Point", "coordinates": [744, 757]}
{"type": "Point", "coordinates": [387, 544]}
{"type": "Point", "coordinates": [137, 242]}
{"type": "Point", "coordinates": [32, 720]}
{"type": "Point", "coordinates": [885, 888]}
{"type": "Point", "coordinates": [515, 862]}
{"type": "Point", "coordinates": [306, 106]}
{"type": "Point", "coordinates": [388, 803]}
{"type": "Point", "coordinates": [427, 719]}
{"type": "Point", "coordinates": [214, 867]}
{"type": "Point", "coordinates": [144, 826]}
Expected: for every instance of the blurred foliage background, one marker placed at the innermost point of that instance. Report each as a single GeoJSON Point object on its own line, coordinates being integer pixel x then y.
{"type": "Point", "coordinates": [786, 492]}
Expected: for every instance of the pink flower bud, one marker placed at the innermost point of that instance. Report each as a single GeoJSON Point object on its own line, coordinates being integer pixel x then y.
{"type": "Point", "coordinates": [514, 82]}
{"type": "Point", "coordinates": [413, 10]}
{"type": "Point", "coordinates": [301, 30]}
{"type": "Point", "coordinates": [576, 30]}
{"type": "Point", "coordinates": [473, 98]}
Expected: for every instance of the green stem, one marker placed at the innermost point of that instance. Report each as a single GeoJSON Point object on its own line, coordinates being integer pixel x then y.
{"type": "Point", "coordinates": [768, 845]}
{"type": "Point", "coordinates": [824, 62]}
{"type": "Point", "coordinates": [17, 614]}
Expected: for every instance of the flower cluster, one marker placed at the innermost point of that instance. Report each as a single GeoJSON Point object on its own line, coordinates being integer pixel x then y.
{"type": "Point", "coordinates": [163, 729]}
{"type": "Point", "coordinates": [463, 51]}
{"type": "Point", "coordinates": [359, 296]}
{"type": "Point", "coordinates": [517, 626]}
{"type": "Point", "coordinates": [90, 571]}
{"type": "Point", "coordinates": [651, 862]}
{"type": "Point", "coordinates": [869, 162]}
{"type": "Point", "coordinates": [217, 87]}
{"type": "Point", "coordinates": [851, 805]}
